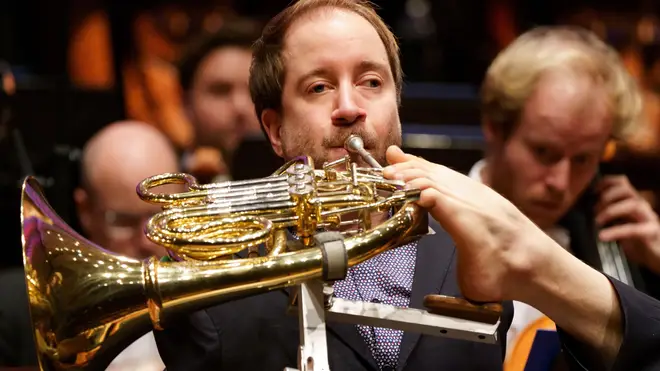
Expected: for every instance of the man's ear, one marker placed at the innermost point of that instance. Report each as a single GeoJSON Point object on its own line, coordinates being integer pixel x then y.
{"type": "Point", "coordinates": [487, 130]}
{"type": "Point", "coordinates": [272, 123]}
{"type": "Point", "coordinates": [492, 132]}
{"type": "Point", "coordinates": [83, 209]}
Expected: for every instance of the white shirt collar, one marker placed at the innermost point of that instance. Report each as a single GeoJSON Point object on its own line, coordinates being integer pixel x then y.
{"type": "Point", "coordinates": [475, 171]}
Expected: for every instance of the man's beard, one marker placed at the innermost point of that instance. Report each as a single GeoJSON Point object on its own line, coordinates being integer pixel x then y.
{"type": "Point", "coordinates": [299, 145]}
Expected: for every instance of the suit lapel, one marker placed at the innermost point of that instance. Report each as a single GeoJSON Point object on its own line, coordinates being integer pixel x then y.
{"type": "Point", "coordinates": [433, 262]}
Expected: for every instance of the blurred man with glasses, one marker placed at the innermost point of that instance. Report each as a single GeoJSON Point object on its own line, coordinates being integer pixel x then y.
{"type": "Point", "coordinates": [110, 212]}
{"type": "Point", "coordinates": [114, 161]}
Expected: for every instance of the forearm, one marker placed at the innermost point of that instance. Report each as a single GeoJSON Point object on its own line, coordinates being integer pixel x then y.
{"type": "Point", "coordinates": [579, 299]}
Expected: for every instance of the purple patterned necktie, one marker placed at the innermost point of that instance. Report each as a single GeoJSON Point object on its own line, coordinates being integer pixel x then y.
{"type": "Point", "coordinates": [386, 278]}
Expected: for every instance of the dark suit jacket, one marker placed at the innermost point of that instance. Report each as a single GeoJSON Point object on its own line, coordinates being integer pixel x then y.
{"type": "Point", "coordinates": [257, 334]}
{"type": "Point", "coordinates": [16, 340]}
{"type": "Point", "coordinates": [640, 349]}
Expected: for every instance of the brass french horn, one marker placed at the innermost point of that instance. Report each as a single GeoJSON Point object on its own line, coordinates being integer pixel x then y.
{"type": "Point", "coordinates": [88, 304]}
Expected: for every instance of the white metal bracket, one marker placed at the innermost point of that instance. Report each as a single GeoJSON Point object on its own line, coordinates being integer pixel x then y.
{"type": "Point", "coordinates": [315, 304]}
{"type": "Point", "coordinates": [312, 355]}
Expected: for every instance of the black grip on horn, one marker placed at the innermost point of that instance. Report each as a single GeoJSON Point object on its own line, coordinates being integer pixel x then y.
{"type": "Point", "coordinates": [335, 259]}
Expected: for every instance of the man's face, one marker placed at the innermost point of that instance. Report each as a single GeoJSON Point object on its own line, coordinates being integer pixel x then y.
{"type": "Point", "coordinates": [338, 82]}
{"type": "Point", "coordinates": [115, 220]}
{"type": "Point", "coordinates": [112, 214]}
{"type": "Point", "coordinates": [219, 100]}
{"type": "Point", "coordinates": [553, 154]}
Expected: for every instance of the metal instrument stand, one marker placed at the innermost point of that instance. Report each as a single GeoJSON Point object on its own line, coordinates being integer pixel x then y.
{"type": "Point", "coordinates": [313, 351]}
{"type": "Point", "coordinates": [316, 304]}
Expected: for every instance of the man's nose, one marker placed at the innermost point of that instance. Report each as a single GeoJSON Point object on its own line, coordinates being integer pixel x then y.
{"type": "Point", "coordinates": [146, 248]}
{"type": "Point", "coordinates": [559, 176]}
{"type": "Point", "coordinates": [348, 110]}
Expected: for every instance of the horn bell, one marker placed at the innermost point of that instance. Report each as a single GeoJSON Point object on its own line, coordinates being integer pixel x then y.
{"type": "Point", "coordinates": [87, 304]}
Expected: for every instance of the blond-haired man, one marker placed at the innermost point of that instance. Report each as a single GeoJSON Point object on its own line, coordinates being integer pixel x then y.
{"type": "Point", "coordinates": [551, 102]}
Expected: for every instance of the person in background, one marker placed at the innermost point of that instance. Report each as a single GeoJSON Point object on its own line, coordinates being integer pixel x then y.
{"type": "Point", "coordinates": [110, 212]}
{"type": "Point", "coordinates": [214, 75]}
{"type": "Point", "coordinates": [113, 162]}
{"type": "Point", "coordinates": [552, 100]}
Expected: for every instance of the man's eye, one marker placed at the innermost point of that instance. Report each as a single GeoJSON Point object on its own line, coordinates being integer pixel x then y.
{"type": "Point", "coordinates": [220, 89]}
{"type": "Point", "coordinates": [545, 155]}
{"type": "Point", "coordinates": [583, 159]}
{"type": "Point", "coordinates": [319, 88]}
{"type": "Point", "coordinates": [541, 151]}
{"type": "Point", "coordinates": [373, 83]}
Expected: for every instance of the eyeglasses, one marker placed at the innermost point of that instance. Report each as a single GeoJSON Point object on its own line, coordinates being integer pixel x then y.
{"type": "Point", "coordinates": [123, 225]}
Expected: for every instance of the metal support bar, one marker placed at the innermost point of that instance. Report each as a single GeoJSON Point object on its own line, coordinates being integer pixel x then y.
{"type": "Point", "coordinates": [313, 315]}
{"type": "Point", "coordinates": [313, 352]}
{"type": "Point", "coordinates": [412, 320]}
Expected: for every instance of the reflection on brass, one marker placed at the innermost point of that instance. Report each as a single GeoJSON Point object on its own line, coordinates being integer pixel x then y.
{"type": "Point", "coordinates": [461, 308]}
{"type": "Point", "coordinates": [87, 304]}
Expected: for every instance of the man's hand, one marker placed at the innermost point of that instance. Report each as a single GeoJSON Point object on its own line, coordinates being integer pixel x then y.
{"type": "Point", "coordinates": [502, 255]}
{"type": "Point", "coordinates": [625, 217]}
{"type": "Point", "coordinates": [486, 227]}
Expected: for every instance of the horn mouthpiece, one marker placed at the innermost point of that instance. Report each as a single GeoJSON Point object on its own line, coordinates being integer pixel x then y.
{"type": "Point", "coordinates": [355, 144]}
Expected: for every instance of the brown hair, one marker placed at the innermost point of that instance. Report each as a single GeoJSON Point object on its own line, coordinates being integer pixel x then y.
{"type": "Point", "coordinates": [268, 70]}
{"type": "Point", "coordinates": [513, 75]}
{"type": "Point", "coordinates": [234, 32]}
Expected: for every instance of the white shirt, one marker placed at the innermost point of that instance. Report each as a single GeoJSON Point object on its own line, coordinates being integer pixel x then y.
{"type": "Point", "coordinates": [523, 314]}
{"type": "Point", "coordinates": [141, 355]}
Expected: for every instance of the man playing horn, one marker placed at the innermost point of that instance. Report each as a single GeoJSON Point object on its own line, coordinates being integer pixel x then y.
{"type": "Point", "coordinates": [326, 69]}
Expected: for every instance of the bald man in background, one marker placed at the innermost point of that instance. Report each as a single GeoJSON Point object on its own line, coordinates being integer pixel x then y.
{"type": "Point", "coordinates": [111, 215]}
{"type": "Point", "coordinates": [114, 161]}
